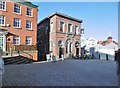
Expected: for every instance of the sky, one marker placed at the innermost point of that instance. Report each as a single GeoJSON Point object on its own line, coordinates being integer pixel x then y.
{"type": "Point", "coordinates": [99, 18]}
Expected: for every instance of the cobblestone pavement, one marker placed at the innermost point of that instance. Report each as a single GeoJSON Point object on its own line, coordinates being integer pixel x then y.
{"type": "Point", "coordinates": [62, 73]}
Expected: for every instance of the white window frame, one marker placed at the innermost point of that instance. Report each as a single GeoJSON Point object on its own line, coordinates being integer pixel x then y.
{"type": "Point", "coordinates": [17, 23]}
{"type": "Point", "coordinates": [4, 7]}
{"type": "Point", "coordinates": [31, 12]}
{"type": "Point", "coordinates": [70, 27]}
{"type": "Point", "coordinates": [76, 29]}
{"type": "Point", "coordinates": [19, 8]}
{"type": "Point", "coordinates": [63, 26]}
{"type": "Point", "coordinates": [4, 21]}
{"type": "Point", "coordinates": [30, 27]}
{"type": "Point", "coordinates": [30, 39]}
{"type": "Point", "coordinates": [18, 42]}
{"type": "Point", "coordinates": [51, 27]}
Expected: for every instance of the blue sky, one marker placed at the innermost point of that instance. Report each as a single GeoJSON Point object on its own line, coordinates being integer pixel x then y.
{"type": "Point", "coordinates": [98, 17]}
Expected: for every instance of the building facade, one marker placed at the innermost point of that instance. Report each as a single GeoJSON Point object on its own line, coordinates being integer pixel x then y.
{"type": "Point", "coordinates": [59, 34]}
{"type": "Point", "coordinates": [18, 25]}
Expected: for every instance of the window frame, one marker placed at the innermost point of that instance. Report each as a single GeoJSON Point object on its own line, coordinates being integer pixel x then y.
{"type": "Point", "coordinates": [17, 9]}
{"type": "Point", "coordinates": [26, 41]}
{"type": "Point", "coordinates": [4, 20]}
{"type": "Point", "coordinates": [14, 42]}
{"type": "Point", "coordinates": [31, 12]}
{"type": "Point", "coordinates": [4, 6]}
{"type": "Point", "coordinates": [76, 28]}
{"type": "Point", "coordinates": [70, 28]}
{"type": "Point", "coordinates": [30, 25]}
{"type": "Point", "coordinates": [17, 23]}
{"type": "Point", "coordinates": [63, 26]}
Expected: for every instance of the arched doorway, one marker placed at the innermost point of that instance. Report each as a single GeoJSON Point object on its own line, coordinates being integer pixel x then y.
{"type": "Point", "coordinates": [60, 49]}
{"type": "Point", "coordinates": [77, 48]}
{"type": "Point", "coordinates": [69, 48]}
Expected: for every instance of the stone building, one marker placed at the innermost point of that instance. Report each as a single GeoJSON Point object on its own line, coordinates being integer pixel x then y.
{"type": "Point", "coordinates": [59, 34]}
{"type": "Point", "coordinates": [18, 26]}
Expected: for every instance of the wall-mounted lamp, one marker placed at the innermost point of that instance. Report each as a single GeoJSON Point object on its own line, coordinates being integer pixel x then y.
{"type": "Point", "coordinates": [82, 31]}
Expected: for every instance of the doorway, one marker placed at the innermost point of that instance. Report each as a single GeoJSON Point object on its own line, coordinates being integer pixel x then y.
{"type": "Point", "coordinates": [77, 51]}
{"type": "Point", "coordinates": [61, 52]}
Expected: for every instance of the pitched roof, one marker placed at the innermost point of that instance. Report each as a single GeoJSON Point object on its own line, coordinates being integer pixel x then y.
{"type": "Point", "coordinates": [27, 3]}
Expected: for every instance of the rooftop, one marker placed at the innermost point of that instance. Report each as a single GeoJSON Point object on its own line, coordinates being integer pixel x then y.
{"type": "Point", "coordinates": [62, 15]}
{"type": "Point", "coordinates": [27, 3]}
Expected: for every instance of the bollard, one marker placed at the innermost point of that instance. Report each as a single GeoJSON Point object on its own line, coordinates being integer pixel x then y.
{"type": "Point", "coordinates": [10, 51]}
{"type": "Point", "coordinates": [62, 57]}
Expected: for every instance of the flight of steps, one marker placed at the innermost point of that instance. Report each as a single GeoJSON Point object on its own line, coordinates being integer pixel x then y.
{"type": "Point", "coordinates": [17, 60]}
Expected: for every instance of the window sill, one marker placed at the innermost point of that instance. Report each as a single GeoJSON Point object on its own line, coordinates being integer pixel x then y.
{"type": "Point", "coordinates": [3, 10]}
{"type": "Point", "coordinates": [29, 16]}
{"type": "Point", "coordinates": [17, 27]}
{"type": "Point", "coordinates": [17, 13]}
{"type": "Point", "coordinates": [2, 25]}
{"type": "Point", "coordinates": [29, 29]}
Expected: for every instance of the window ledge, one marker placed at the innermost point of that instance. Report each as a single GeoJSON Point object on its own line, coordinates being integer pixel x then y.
{"type": "Point", "coordinates": [17, 27]}
{"type": "Point", "coordinates": [3, 10]}
{"type": "Point", "coordinates": [17, 13]}
{"type": "Point", "coordinates": [29, 16]}
{"type": "Point", "coordinates": [2, 25]}
{"type": "Point", "coordinates": [29, 29]}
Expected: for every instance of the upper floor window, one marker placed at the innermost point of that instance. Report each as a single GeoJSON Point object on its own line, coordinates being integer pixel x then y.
{"type": "Point", "coordinates": [61, 26]}
{"type": "Point", "coordinates": [17, 22]}
{"type": "Point", "coordinates": [16, 40]}
{"type": "Point", "coordinates": [2, 20]}
{"type": "Point", "coordinates": [17, 8]}
{"type": "Point", "coordinates": [69, 27]}
{"type": "Point", "coordinates": [2, 5]}
{"type": "Point", "coordinates": [28, 40]}
{"type": "Point", "coordinates": [51, 27]}
{"type": "Point", "coordinates": [29, 12]}
{"type": "Point", "coordinates": [46, 29]}
{"type": "Point", "coordinates": [76, 29]}
{"type": "Point", "coordinates": [28, 24]}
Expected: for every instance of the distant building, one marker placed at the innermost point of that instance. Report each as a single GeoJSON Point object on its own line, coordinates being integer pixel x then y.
{"type": "Point", "coordinates": [87, 43]}
{"type": "Point", "coordinates": [59, 34]}
{"type": "Point", "coordinates": [18, 26]}
{"type": "Point", "coordinates": [107, 47]}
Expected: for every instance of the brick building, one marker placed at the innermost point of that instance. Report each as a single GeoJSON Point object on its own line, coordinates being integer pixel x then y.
{"type": "Point", "coordinates": [18, 26]}
{"type": "Point", "coordinates": [59, 34]}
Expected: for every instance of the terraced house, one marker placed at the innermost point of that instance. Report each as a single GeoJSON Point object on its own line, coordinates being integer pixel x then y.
{"type": "Point", "coordinates": [18, 26]}
{"type": "Point", "coordinates": [60, 35]}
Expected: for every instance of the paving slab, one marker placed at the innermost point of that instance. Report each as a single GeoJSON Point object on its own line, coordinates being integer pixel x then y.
{"type": "Point", "coordinates": [62, 73]}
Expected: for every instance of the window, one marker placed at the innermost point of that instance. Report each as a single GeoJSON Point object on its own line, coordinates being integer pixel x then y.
{"type": "Point", "coordinates": [69, 27]}
{"type": "Point", "coordinates": [2, 5]}
{"type": "Point", "coordinates": [1, 41]}
{"type": "Point", "coordinates": [76, 29]}
{"type": "Point", "coordinates": [29, 12]}
{"type": "Point", "coordinates": [2, 20]}
{"type": "Point", "coordinates": [28, 40]}
{"type": "Point", "coordinates": [17, 8]}
{"type": "Point", "coordinates": [46, 29]}
{"type": "Point", "coordinates": [51, 27]}
{"type": "Point", "coordinates": [16, 22]}
{"type": "Point", "coordinates": [61, 26]}
{"type": "Point", "coordinates": [28, 24]}
{"type": "Point", "coordinates": [16, 40]}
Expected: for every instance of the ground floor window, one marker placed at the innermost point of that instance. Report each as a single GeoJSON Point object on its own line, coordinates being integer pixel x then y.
{"type": "Point", "coordinates": [16, 40]}
{"type": "Point", "coordinates": [28, 40]}
{"type": "Point", "coordinates": [1, 41]}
